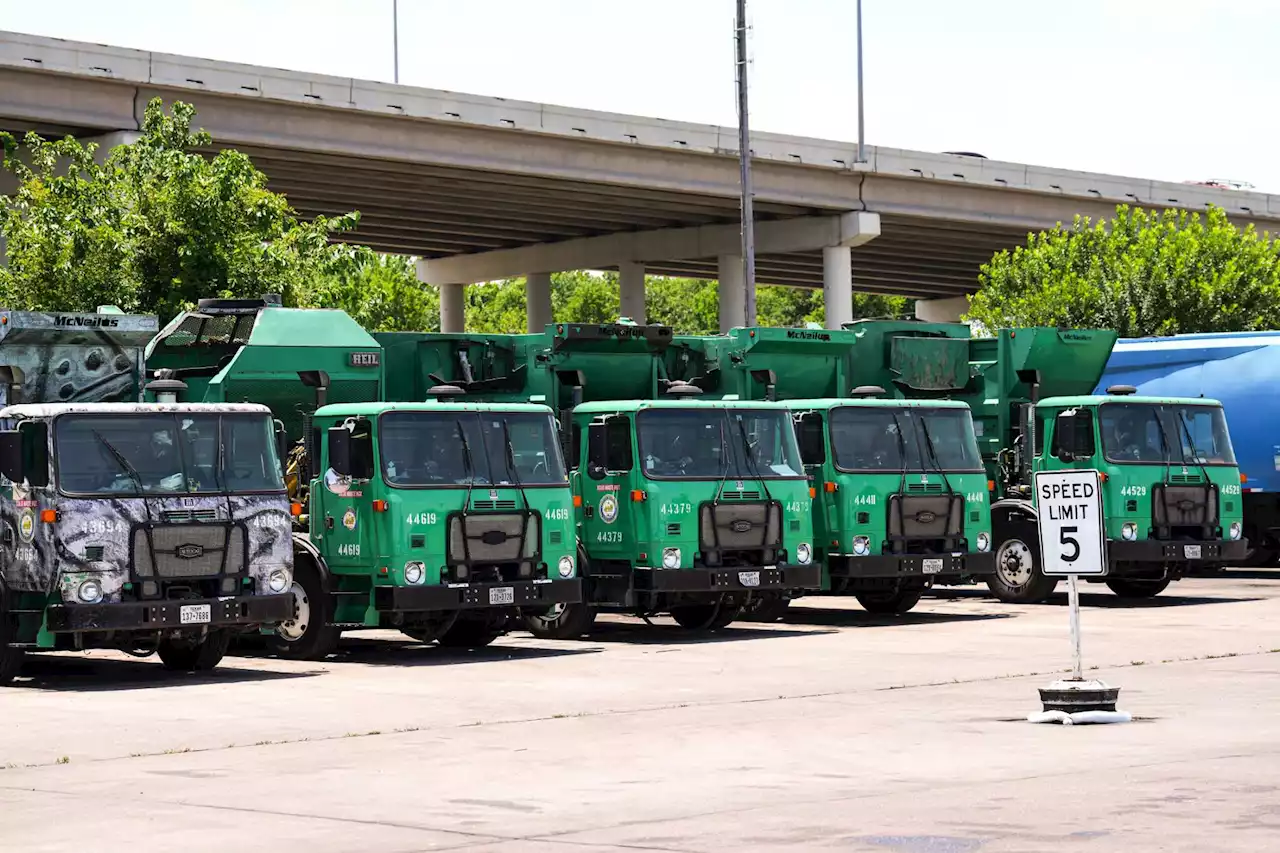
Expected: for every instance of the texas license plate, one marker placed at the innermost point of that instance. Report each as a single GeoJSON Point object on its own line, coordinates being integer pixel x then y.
{"type": "Point", "coordinates": [932, 565]}
{"type": "Point", "coordinates": [502, 595]}
{"type": "Point", "coordinates": [194, 614]}
{"type": "Point", "coordinates": [1191, 552]}
{"type": "Point", "coordinates": [749, 578]}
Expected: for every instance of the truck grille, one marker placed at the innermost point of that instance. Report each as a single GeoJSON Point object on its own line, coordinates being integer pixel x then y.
{"type": "Point", "coordinates": [494, 537]}
{"type": "Point", "coordinates": [1174, 507]}
{"type": "Point", "coordinates": [925, 523]}
{"type": "Point", "coordinates": [740, 526]}
{"type": "Point", "coordinates": [189, 551]}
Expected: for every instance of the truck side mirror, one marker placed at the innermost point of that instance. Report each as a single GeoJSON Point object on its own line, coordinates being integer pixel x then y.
{"type": "Point", "coordinates": [11, 455]}
{"type": "Point", "coordinates": [339, 440]}
{"type": "Point", "coordinates": [282, 444]}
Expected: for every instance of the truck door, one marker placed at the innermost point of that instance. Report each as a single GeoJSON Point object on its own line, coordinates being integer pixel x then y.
{"type": "Point", "coordinates": [608, 517]}
{"type": "Point", "coordinates": [346, 517]}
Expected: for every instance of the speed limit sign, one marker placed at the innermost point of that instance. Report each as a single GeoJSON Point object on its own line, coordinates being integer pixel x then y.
{"type": "Point", "coordinates": [1069, 504]}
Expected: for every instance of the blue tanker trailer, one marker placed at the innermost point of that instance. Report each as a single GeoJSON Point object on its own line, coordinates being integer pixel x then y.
{"type": "Point", "coordinates": [1242, 371]}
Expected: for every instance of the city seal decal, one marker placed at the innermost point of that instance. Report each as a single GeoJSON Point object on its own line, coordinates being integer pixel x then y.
{"type": "Point", "coordinates": [349, 519]}
{"type": "Point", "coordinates": [608, 509]}
{"type": "Point", "coordinates": [27, 525]}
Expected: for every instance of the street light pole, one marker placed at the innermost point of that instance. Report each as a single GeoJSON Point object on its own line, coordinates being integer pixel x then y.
{"type": "Point", "coordinates": [744, 160]}
{"type": "Point", "coordinates": [395, 38]}
{"type": "Point", "coordinates": [862, 141]}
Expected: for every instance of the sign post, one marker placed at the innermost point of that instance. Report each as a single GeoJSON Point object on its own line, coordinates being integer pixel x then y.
{"type": "Point", "coordinates": [1072, 544]}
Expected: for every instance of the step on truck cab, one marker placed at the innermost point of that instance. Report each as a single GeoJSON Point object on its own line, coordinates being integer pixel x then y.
{"type": "Point", "coordinates": [145, 527]}
{"type": "Point", "coordinates": [696, 508]}
{"type": "Point", "coordinates": [442, 519]}
{"type": "Point", "coordinates": [900, 493]}
{"type": "Point", "coordinates": [1171, 496]}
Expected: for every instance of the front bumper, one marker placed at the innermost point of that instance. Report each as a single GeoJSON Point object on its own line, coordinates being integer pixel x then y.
{"type": "Point", "coordinates": [1212, 552]}
{"type": "Point", "coordinates": [462, 596]}
{"type": "Point", "coordinates": [750, 579]}
{"type": "Point", "coordinates": [911, 565]}
{"type": "Point", "coordinates": [167, 615]}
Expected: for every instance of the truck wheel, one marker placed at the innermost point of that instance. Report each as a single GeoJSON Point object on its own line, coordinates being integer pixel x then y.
{"type": "Point", "coordinates": [562, 622]}
{"type": "Point", "coordinates": [1133, 588]}
{"type": "Point", "coordinates": [767, 610]}
{"type": "Point", "coordinates": [472, 633]}
{"type": "Point", "coordinates": [705, 617]}
{"type": "Point", "coordinates": [187, 655]}
{"type": "Point", "coordinates": [307, 636]}
{"type": "Point", "coordinates": [1259, 558]}
{"type": "Point", "coordinates": [897, 602]}
{"type": "Point", "coordinates": [1017, 578]}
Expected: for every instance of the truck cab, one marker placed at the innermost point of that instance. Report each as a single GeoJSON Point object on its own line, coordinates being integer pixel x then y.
{"type": "Point", "coordinates": [1171, 489]}
{"type": "Point", "coordinates": [900, 496]}
{"type": "Point", "coordinates": [140, 526]}
{"type": "Point", "coordinates": [440, 519]}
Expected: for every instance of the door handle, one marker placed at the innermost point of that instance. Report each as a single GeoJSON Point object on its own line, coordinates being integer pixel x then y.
{"type": "Point", "coordinates": [328, 522]}
{"type": "Point", "coordinates": [589, 512]}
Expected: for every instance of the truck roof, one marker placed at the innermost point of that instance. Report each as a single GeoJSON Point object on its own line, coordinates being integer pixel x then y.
{"type": "Point", "coordinates": [371, 409]}
{"type": "Point", "coordinates": [50, 410]}
{"type": "Point", "coordinates": [875, 403]}
{"type": "Point", "coordinates": [1098, 399]}
{"type": "Point", "coordinates": [684, 403]}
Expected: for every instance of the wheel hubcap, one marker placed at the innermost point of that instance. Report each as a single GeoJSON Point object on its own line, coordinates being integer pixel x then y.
{"type": "Point", "coordinates": [553, 613]}
{"type": "Point", "coordinates": [295, 628]}
{"type": "Point", "coordinates": [1014, 562]}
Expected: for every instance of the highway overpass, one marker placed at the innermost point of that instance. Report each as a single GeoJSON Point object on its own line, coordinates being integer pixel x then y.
{"type": "Point", "coordinates": [483, 188]}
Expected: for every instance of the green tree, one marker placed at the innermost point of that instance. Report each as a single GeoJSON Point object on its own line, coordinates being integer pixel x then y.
{"type": "Point", "coordinates": [380, 292]}
{"type": "Point", "coordinates": [154, 227]}
{"type": "Point", "coordinates": [1141, 273]}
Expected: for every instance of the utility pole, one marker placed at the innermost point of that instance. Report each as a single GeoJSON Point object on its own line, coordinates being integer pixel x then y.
{"type": "Point", "coordinates": [395, 38]}
{"type": "Point", "coordinates": [744, 160]}
{"type": "Point", "coordinates": [862, 139]}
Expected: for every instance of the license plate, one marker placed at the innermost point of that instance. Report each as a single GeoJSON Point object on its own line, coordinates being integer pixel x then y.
{"type": "Point", "coordinates": [932, 565]}
{"type": "Point", "coordinates": [194, 614]}
{"type": "Point", "coordinates": [749, 578]}
{"type": "Point", "coordinates": [502, 595]}
{"type": "Point", "coordinates": [1191, 552]}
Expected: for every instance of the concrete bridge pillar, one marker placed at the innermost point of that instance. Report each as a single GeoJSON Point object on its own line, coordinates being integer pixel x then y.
{"type": "Point", "coordinates": [453, 314]}
{"type": "Point", "coordinates": [537, 292]}
{"type": "Point", "coordinates": [733, 293]}
{"type": "Point", "coordinates": [947, 310]}
{"type": "Point", "coordinates": [837, 285]}
{"type": "Point", "coordinates": [631, 291]}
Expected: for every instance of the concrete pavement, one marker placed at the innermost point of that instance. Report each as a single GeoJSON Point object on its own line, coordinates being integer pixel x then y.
{"type": "Point", "coordinates": [836, 730]}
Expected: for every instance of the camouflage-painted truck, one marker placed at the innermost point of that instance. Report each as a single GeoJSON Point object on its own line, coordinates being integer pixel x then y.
{"type": "Point", "coordinates": [697, 508]}
{"type": "Point", "coordinates": [438, 516]}
{"type": "Point", "coordinates": [900, 493]}
{"type": "Point", "coordinates": [1171, 486]}
{"type": "Point", "coordinates": [146, 527]}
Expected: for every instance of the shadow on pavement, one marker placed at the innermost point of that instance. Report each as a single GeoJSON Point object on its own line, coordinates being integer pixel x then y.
{"type": "Point", "coordinates": [636, 632]}
{"type": "Point", "coordinates": [844, 617]}
{"type": "Point", "coordinates": [411, 653]}
{"type": "Point", "coordinates": [1091, 596]}
{"type": "Point", "coordinates": [73, 673]}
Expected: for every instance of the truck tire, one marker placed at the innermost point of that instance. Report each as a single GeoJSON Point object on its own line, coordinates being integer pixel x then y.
{"type": "Point", "coordinates": [1017, 578]}
{"type": "Point", "coordinates": [562, 622]}
{"type": "Point", "coordinates": [308, 636]}
{"type": "Point", "coordinates": [472, 632]}
{"type": "Point", "coordinates": [186, 655]}
{"type": "Point", "coordinates": [1136, 588]}
{"type": "Point", "coordinates": [705, 617]}
{"type": "Point", "coordinates": [896, 602]}
{"type": "Point", "coordinates": [767, 610]}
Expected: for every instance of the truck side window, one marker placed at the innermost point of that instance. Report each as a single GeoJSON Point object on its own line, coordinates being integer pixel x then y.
{"type": "Point", "coordinates": [575, 447]}
{"type": "Point", "coordinates": [617, 440]}
{"type": "Point", "coordinates": [35, 451]}
{"type": "Point", "coordinates": [1041, 429]}
{"type": "Point", "coordinates": [813, 445]}
{"type": "Point", "coordinates": [1073, 436]}
{"type": "Point", "coordinates": [362, 464]}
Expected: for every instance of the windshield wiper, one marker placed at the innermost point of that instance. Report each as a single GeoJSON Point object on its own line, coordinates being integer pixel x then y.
{"type": "Point", "coordinates": [468, 467]}
{"type": "Point", "coordinates": [512, 468]}
{"type": "Point", "coordinates": [1191, 443]}
{"type": "Point", "coordinates": [724, 460]}
{"type": "Point", "coordinates": [751, 460]}
{"type": "Point", "coordinates": [902, 482]}
{"type": "Point", "coordinates": [933, 454]}
{"type": "Point", "coordinates": [129, 470]}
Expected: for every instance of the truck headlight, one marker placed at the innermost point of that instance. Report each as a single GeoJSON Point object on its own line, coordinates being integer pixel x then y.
{"type": "Point", "coordinates": [566, 566]}
{"type": "Point", "coordinates": [861, 546]}
{"type": "Point", "coordinates": [278, 580]}
{"type": "Point", "coordinates": [89, 591]}
{"type": "Point", "coordinates": [1234, 530]}
{"type": "Point", "coordinates": [414, 572]}
{"type": "Point", "coordinates": [984, 542]}
{"type": "Point", "coordinates": [671, 558]}
{"type": "Point", "coordinates": [1129, 531]}
{"type": "Point", "coordinates": [803, 554]}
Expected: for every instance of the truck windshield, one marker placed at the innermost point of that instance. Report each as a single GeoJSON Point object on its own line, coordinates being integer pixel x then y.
{"type": "Point", "coordinates": [708, 444]}
{"type": "Point", "coordinates": [422, 449]}
{"type": "Point", "coordinates": [166, 452]}
{"type": "Point", "coordinates": [1156, 433]}
{"type": "Point", "coordinates": [865, 438]}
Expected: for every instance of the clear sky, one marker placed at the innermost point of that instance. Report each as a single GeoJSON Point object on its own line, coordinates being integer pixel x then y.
{"type": "Point", "coordinates": [1170, 89]}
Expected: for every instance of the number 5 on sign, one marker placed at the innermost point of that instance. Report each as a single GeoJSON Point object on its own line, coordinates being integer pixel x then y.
{"type": "Point", "coordinates": [1072, 540]}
